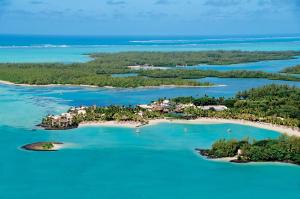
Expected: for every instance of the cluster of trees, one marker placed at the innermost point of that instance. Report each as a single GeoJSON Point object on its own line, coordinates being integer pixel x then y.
{"type": "Point", "coordinates": [225, 148]}
{"type": "Point", "coordinates": [171, 59]}
{"type": "Point", "coordinates": [113, 113]}
{"type": "Point", "coordinates": [38, 74]}
{"type": "Point", "coordinates": [272, 100]}
{"type": "Point", "coordinates": [47, 146]}
{"type": "Point", "coordinates": [117, 113]}
{"type": "Point", "coordinates": [276, 104]}
{"type": "Point", "coordinates": [282, 149]}
{"type": "Point", "coordinates": [292, 70]}
{"type": "Point", "coordinates": [205, 101]}
{"type": "Point", "coordinates": [196, 74]}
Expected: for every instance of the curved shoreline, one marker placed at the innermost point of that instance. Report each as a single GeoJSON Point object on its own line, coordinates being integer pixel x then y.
{"type": "Point", "coordinates": [109, 87]}
{"type": "Point", "coordinates": [234, 160]}
{"type": "Point", "coordinates": [281, 129]}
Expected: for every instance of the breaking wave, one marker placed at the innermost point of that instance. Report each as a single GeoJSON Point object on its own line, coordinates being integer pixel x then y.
{"type": "Point", "coordinates": [37, 46]}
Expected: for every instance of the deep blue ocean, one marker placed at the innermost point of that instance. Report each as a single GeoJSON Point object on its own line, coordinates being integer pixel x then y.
{"type": "Point", "coordinates": [112, 163]}
{"type": "Point", "coordinates": [18, 48]}
{"type": "Point", "coordinates": [44, 40]}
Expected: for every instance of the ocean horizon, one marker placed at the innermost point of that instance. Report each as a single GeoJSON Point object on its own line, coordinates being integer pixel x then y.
{"type": "Point", "coordinates": [70, 49]}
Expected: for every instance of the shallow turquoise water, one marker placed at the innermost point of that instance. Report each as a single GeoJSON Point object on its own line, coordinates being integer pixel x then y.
{"type": "Point", "coordinates": [68, 49]}
{"type": "Point", "coordinates": [267, 66]}
{"type": "Point", "coordinates": [25, 106]}
{"type": "Point", "coordinates": [158, 163]}
{"type": "Point", "coordinates": [75, 96]}
{"type": "Point", "coordinates": [106, 162]}
{"type": "Point", "coordinates": [125, 75]}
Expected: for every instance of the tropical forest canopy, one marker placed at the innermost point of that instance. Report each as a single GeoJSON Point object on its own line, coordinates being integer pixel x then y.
{"type": "Point", "coordinates": [99, 71]}
{"type": "Point", "coordinates": [292, 70]}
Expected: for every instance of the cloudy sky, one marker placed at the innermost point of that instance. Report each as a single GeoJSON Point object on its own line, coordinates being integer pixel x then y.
{"type": "Point", "coordinates": [149, 17]}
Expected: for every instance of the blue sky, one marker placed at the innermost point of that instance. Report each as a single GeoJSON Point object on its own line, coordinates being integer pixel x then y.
{"type": "Point", "coordinates": [149, 17]}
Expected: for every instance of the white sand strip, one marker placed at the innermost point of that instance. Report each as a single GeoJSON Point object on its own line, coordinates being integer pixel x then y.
{"type": "Point", "coordinates": [93, 86]}
{"type": "Point", "coordinates": [281, 129]}
{"type": "Point", "coordinates": [111, 124]}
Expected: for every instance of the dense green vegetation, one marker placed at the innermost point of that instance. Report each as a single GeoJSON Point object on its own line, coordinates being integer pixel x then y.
{"type": "Point", "coordinates": [118, 113]}
{"type": "Point", "coordinates": [282, 149]}
{"type": "Point", "coordinates": [47, 146]}
{"type": "Point", "coordinates": [98, 72]}
{"type": "Point", "coordinates": [205, 101]}
{"type": "Point", "coordinates": [42, 74]}
{"type": "Point", "coordinates": [292, 70]}
{"type": "Point", "coordinates": [196, 74]}
{"type": "Point", "coordinates": [276, 104]}
{"type": "Point", "coordinates": [190, 58]}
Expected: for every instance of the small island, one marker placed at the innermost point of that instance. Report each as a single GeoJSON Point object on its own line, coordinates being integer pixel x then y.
{"type": "Point", "coordinates": [43, 146]}
{"type": "Point", "coordinates": [284, 149]}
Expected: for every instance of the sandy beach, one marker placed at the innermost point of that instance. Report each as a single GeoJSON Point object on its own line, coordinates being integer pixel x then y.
{"type": "Point", "coordinates": [111, 124]}
{"type": "Point", "coordinates": [228, 159]}
{"type": "Point", "coordinates": [57, 146]}
{"type": "Point", "coordinates": [281, 129]}
{"type": "Point", "coordinates": [109, 87]}
{"type": "Point", "coordinates": [47, 85]}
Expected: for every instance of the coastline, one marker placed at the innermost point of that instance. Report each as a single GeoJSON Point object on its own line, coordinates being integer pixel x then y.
{"type": "Point", "coordinates": [108, 87]}
{"type": "Point", "coordinates": [233, 160]}
{"type": "Point", "coordinates": [281, 129]}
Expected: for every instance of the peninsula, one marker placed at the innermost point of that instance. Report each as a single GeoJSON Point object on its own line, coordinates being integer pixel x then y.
{"type": "Point", "coordinates": [100, 71]}
{"type": "Point", "coordinates": [277, 105]}
{"type": "Point", "coordinates": [283, 149]}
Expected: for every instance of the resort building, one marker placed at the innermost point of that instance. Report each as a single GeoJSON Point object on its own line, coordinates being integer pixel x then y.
{"type": "Point", "coordinates": [144, 67]}
{"type": "Point", "coordinates": [63, 120]}
{"type": "Point", "coordinates": [66, 119]}
{"type": "Point", "coordinates": [167, 106]}
{"type": "Point", "coordinates": [145, 106]}
{"type": "Point", "coordinates": [180, 107]}
{"type": "Point", "coordinates": [213, 107]}
{"type": "Point", "coordinates": [78, 110]}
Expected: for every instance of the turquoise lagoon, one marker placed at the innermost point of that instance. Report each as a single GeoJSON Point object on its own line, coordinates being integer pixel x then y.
{"type": "Point", "coordinates": [125, 75]}
{"type": "Point", "coordinates": [117, 163]}
{"type": "Point", "coordinates": [267, 66]}
{"type": "Point", "coordinates": [106, 162]}
{"type": "Point", "coordinates": [76, 96]}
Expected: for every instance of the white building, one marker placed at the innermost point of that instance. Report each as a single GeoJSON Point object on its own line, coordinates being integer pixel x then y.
{"type": "Point", "coordinates": [213, 107]}
{"type": "Point", "coordinates": [145, 106]}
{"type": "Point", "coordinates": [81, 112]}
